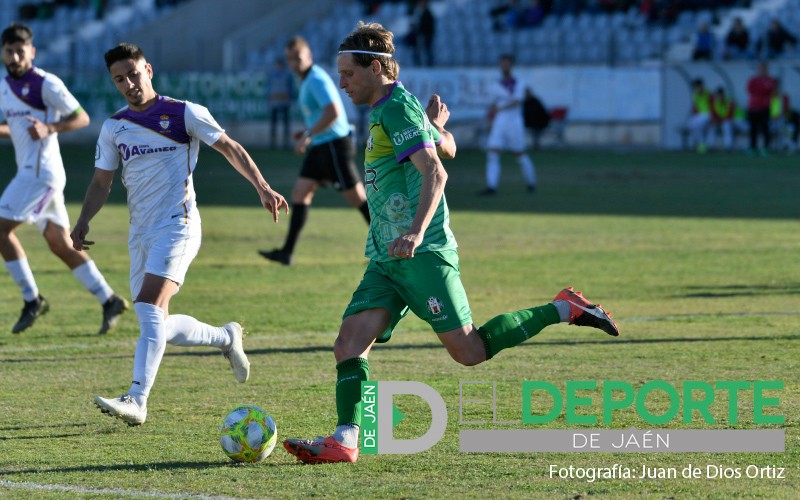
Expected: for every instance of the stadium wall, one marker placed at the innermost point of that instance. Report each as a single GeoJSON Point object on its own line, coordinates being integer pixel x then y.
{"type": "Point", "coordinates": [606, 107]}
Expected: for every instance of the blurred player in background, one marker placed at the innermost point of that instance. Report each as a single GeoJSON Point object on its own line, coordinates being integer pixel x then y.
{"type": "Point", "coordinates": [330, 157]}
{"type": "Point", "coordinates": [157, 139]}
{"type": "Point", "coordinates": [507, 129]}
{"type": "Point", "coordinates": [413, 258]}
{"type": "Point", "coordinates": [37, 106]}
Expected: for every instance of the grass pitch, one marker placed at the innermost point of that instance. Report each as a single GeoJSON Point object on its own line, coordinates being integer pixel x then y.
{"type": "Point", "coordinates": [695, 255]}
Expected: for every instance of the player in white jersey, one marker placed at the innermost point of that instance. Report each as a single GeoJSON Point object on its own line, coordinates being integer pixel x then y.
{"type": "Point", "coordinates": [507, 131]}
{"type": "Point", "coordinates": [37, 106]}
{"type": "Point", "coordinates": [157, 140]}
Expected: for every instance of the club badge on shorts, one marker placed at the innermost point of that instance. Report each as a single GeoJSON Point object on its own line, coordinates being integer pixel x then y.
{"type": "Point", "coordinates": [434, 305]}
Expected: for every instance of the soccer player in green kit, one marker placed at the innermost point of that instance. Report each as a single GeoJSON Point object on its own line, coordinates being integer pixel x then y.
{"type": "Point", "coordinates": [413, 258]}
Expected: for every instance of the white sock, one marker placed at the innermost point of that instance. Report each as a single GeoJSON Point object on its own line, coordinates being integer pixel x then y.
{"type": "Point", "coordinates": [492, 169]}
{"type": "Point", "coordinates": [149, 348]}
{"type": "Point", "coordinates": [22, 275]}
{"type": "Point", "coordinates": [93, 281]}
{"type": "Point", "coordinates": [528, 169]}
{"type": "Point", "coordinates": [187, 331]}
{"type": "Point", "coordinates": [563, 310]}
{"type": "Point", "coordinates": [347, 435]}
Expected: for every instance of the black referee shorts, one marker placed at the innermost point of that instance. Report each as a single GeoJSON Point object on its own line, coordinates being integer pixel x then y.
{"type": "Point", "coordinates": [332, 163]}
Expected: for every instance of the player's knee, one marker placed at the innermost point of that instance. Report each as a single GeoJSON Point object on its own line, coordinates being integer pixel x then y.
{"type": "Point", "coordinates": [468, 357]}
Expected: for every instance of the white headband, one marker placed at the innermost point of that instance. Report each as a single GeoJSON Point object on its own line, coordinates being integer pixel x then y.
{"type": "Point", "coordinates": [384, 54]}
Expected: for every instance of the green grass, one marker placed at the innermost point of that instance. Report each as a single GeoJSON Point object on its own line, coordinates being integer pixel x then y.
{"type": "Point", "coordinates": [696, 256]}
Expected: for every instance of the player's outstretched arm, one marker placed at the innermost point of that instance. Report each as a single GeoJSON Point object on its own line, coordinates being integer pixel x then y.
{"type": "Point", "coordinates": [438, 114]}
{"type": "Point", "coordinates": [244, 164]}
{"type": "Point", "coordinates": [96, 196]}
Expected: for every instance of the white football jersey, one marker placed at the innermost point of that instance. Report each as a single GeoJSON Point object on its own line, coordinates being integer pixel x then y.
{"type": "Point", "coordinates": [41, 95]}
{"type": "Point", "coordinates": [504, 92]}
{"type": "Point", "coordinates": [158, 151]}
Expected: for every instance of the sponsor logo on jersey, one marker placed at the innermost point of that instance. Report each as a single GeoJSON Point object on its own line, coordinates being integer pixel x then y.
{"type": "Point", "coordinates": [370, 143]}
{"type": "Point", "coordinates": [13, 113]}
{"type": "Point", "coordinates": [164, 122]}
{"type": "Point", "coordinates": [435, 305]}
{"type": "Point", "coordinates": [128, 152]}
{"type": "Point", "coordinates": [405, 135]}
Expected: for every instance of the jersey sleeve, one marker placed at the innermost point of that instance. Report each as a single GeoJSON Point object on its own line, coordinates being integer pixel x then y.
{"type": "Point", "coordinates": [200, 123]}
{"type": "Point", "coordinates": [106, 156]}
{"type": "Point", "coordinates": [408, 128]}
{"type": "Point", "coordinates": [56, 96]}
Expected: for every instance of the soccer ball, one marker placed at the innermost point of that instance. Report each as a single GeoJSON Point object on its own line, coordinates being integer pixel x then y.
{"type": "Point", "coordinates": [248, 434]}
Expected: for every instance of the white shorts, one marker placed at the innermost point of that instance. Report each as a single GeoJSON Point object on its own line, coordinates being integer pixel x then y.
{"type": "Point", "coordinates": [34, 202]}
{"type": "Point", "coordinates": [507, 134]}
{"type": "Point", "coordinates": [166, 252]}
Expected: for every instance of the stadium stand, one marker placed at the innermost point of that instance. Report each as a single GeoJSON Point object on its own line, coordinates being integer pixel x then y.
{"type": "Point", "coordinates": [71, 34]}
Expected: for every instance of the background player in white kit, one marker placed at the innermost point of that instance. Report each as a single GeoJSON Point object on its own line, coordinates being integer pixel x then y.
{"type": "Point", "coordinates": [507, 131]}
{"type": "Point", "coordinates": [157, 139]}
{"type": "Point", "coordinates": [37, 106]}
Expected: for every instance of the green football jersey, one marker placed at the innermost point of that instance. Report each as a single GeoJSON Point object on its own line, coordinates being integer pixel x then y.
{"type": "Point", "coordinates": [398, 126]}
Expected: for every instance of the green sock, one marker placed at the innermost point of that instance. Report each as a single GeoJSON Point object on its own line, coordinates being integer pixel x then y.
{"type": "Point", "coordinates": [350, 373]}
{"type": "Point", "coordinates": [510, 329]}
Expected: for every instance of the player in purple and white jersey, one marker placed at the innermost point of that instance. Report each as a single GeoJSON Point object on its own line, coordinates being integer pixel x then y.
{"type": "Point", "coordinates": [37, 106]}
{"type": "Point", "coordinates": [507, 131]}
{"type": "Point", "coordinates": [157, 139]}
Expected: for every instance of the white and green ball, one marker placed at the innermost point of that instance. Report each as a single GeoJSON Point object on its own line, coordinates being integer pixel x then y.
{"type": "Point", "coordinates": [248, 434]}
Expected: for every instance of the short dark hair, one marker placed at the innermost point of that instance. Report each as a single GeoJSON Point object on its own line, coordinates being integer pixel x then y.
{"type": "Point", "coordinates": [296, 42]}
{"type": "Point", "coordinates": [508, 57]}
{"type": "Point", "coordinates": [16, 32]}
{"type": "Point", "coordinates": [122, 52]}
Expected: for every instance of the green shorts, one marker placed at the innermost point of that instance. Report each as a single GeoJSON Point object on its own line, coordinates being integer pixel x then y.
{"type": "Point", "coordinates": [429, 285]}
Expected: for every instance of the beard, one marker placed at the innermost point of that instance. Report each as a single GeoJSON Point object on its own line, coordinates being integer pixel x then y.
{"type": "Point", "coordinates": [15, 70]}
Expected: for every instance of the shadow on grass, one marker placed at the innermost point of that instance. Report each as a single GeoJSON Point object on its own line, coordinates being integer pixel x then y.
{"type": "Point", "coordinates": [649, 183]}
{"type": "Point", "coordinates": [600, 340]}
{"type": "Point", "coordinates": [710, 292]}
{"type": "Point", "coordinates": [148, 467]}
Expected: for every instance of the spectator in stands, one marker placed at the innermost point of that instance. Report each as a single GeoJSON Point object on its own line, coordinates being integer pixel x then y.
{"type": "Point", "coordinates": [505, 16]}
{"type": "Point", "coordinates": [507, 132]}
{"type": "Point", "coordinates": [783, 120]}
{"type": "Point", "coordinates": [280, 93]}
{"type": "Point", "coordinates": [737, 41]}
{"type": "Point", "coordinates": [723, 112]}
{"type": "Point", "coordinates": [775, 41]}
{"type": "Point", "coordinates": [535, 116]}
{"type": "Point", "coordinates": [700, 118]}
{"type": "Point", "coordinates": [759, 89]}
{"type": "Point", "coordinates": [532, 15]}
{"type": "Point", "coordinates": [704, 44]}
{"type": "Point", "coordinates": [423, 31]}
{"type": "Point", "coordinates": [327, 145]}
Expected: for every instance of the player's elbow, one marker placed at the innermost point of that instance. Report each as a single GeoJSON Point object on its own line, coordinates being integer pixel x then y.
{"type": "Point", "coordinates": [447, 153]}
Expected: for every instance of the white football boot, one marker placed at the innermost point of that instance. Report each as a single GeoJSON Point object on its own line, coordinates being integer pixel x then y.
{"type": "Point", "coordinates": [124, 408]}
{"type": "Point", "coordinates": [235, 353]}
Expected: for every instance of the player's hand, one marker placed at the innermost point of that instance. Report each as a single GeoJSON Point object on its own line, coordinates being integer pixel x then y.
{"type": "Point", "coordinates": [437, 111]}
{"type": "Point", "coordinates": [78, 235]}
{"type": "Point", "coordinates": [404, 246]}
{"type": "Point", "coordinates": [273, 201]}
{"type": "Point", "coordinates": [38, 129]}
